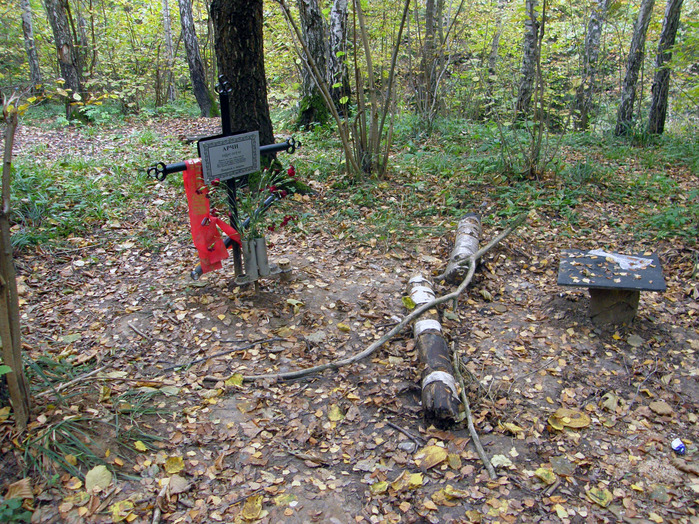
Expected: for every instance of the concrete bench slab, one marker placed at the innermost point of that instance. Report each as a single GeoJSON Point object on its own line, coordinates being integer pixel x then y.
{"type": "Point", "coordinates": [614, 280]}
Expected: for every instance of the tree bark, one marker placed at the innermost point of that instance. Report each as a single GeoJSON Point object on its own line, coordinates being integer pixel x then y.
{"type": "Point", "coordinates": [624, 118]}
{"type": "Point", "coordinates": [68, 57]}
{"type": "Point", "coordinates": [169, 52]}
{"type": "Point", "coordinates": [196, 66]}
{"type": "Point", "coordinates": [468, 234]}
{"type": "Point", "coordinates": [30, 47]}
{"type": "Point", "coordinates": [661, 79]}
{"type": "Point", "coordinates": [337, 59]}
{"type": "Point", "coordinates": [312, 108]}
{"type": "Point", "coordinates": [240, 54]}
{"type": "Point", "coordinates": [440, 399]}
{"type": "Point", "coordinates": [10, 334]}
{"type": "Point", "coordinates": [586, 90]}
{"type": "Point", "coordinates": [530, 57]}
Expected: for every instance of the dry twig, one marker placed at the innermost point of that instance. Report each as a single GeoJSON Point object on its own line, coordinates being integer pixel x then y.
{"type": "Point", "coordinates": [469, 419]}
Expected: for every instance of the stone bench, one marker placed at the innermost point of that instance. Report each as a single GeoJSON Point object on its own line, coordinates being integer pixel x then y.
{"type": "Point", "coordinates": [615, 281]}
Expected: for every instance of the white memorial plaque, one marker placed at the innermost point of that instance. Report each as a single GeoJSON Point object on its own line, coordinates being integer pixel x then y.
{"type": "Point", "coordinates": [230, 156]}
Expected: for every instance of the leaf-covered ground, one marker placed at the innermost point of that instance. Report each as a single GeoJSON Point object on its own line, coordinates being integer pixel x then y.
{"type": "Point", "coordinates": [351, 445]}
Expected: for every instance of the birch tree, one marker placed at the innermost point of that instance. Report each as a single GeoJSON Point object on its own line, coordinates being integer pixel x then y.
{"type": "Point", "coordinates": [196, 66]}
{"type": "Point", "coordinates": [530, 57]}
{"type": "Point", "coordinates": [624, 118]}
{"type": "Point", "coordinates": [661, 79]}
{"type": "Point", "coordinates": [169, 52]}
{"type": "Point", "coordinates": [586, 90]}
{"type": "Point", "coordinates": [315, 34]}
{"type": "Point", "coordinates": [337, 59]}
{"type": "Point", "coordinates": [30, 46]}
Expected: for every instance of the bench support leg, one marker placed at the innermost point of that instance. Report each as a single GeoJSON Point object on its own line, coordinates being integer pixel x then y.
{"type": "Point", "coordinates": [613, 306]}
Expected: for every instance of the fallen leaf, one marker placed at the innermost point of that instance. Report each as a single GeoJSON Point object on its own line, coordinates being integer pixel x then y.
{"type": "Point", "coordinates": [547, 476]}
{"type": "Point", "coordinates": [178, 484]}
{"type": "Point", "coordinates": [661, 408]}
{"type": "Point", "coordinates": [174, 465]}
{"type": "Point", "coordinates": [378, 487]}
{"type": "Point", "coordinates": [22, 489]}
{"type": "Point", "coordinates": [98, 479]}
{"type": "Point", "coordinates": [121, 510]}
{"type": "Point", "coordinates": [234, 380]}
{"type": "Point", "coordinates": [252, 508]}
{"type": "Point", "coordinates": [335, 413]}
{"type": "Point", "coordinates": [140, 446]}
{"type": "Point", "coordinates": [430, 456]}
{"type": "Point", "coordinates": [500, 461]}
{"type": "Point", "coordinates": [601, 497]}
{"type": "Point", "coordinates": [569, 418]}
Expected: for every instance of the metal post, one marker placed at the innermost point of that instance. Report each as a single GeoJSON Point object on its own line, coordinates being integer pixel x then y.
{"type": "Point", "coordinates": [224, 91]}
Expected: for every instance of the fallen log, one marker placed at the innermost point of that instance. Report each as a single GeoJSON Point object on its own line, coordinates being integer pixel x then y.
{"type": "Point", "coordinates": [440, 398]}
{"type": "Point", "coordinates": [468, 233]}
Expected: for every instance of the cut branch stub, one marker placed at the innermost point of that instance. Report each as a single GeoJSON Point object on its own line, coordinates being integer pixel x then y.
{"type": "Point", "coordinates": [468, 234]}
{"type": "Point", "coordinates": [440, 399]}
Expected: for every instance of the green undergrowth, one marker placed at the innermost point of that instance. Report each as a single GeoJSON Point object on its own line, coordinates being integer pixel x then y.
{"type": "Point", "coordinates": [77, 194]}
{"type": "Point", "coordinates": [435, 176]}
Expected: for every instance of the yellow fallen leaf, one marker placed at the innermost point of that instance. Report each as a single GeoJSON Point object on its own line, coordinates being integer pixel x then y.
{"type": "Point", "coordinates": [512, 428]}
{"type": "Point", "coordinates": [430, 456]}
{"type": "Point", "coordinates": [140, 446]}
{"type": "Point", "coordinates": [571, 418]}
{"type": "Point", "coordinates": [378, 487]}
{"type": "Point", "coordinates": [546, 475]}
{"type": "Point", "coordinates": [235, 380]}
{"type": "Point", "coordinates": [252, 508]}
{"type": "Point", "coordinates": [343, 327]}
{"type": "Point", "coordinates": [601, 497]}
{"type": "Point", "coordinates": [174, 465]}
{"type": "Point", "coordinates": [4, 413]}
{"type": "Point", "coordinates": [121, 510]}
{"type": "Point", "coordinates": [335, 413]}
{"type": "Point", "coordinates": [74, 483]}
{"type": "Point", "coordinates": [71, 459]}
{"type": "Point", "coordinates": [454, 493]}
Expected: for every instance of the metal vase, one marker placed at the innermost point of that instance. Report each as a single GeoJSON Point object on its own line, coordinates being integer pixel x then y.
{"type": "Point", "coordinates": [261, 255]}
{"type": "Point", "coordinates": [250, 258]}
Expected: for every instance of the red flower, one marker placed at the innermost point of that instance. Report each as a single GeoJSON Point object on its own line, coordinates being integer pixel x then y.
{"type": "Point", "coordinates": [271, 228]}
{"type": "Point", "coordinates": [291, 171]}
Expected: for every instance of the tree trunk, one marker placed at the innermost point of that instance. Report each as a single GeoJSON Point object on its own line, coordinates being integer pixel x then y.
{"type": "Point", "coordinates": [196, 66]}
{"type": "Point", "coordinates": [468, 233]}
{"type": "Point", "coordinates": [30, 46]}
{"type": "Point", "coordinates": [240, 54]}
{"type": "Point", "coordinates": [10, 335]}
{"type": "Point", "coordinates": [624, 118]}
{"type": "Point", "coordinates": [68, 58]}
{"type": "Point", "coordinates": [427, 87]}
{"type": "Point", "coordinates": [530, 57]}
{"type": "Point", "coordinates": [169, 52]}
{"type": "Point", "coordinates": [661, 80]}
{"type": "Point", "coordinates": [312, 107]}
{"type": "Point", "coordinates": [337, 59]}
{"type": "Point", "coordinates": [586, 90]}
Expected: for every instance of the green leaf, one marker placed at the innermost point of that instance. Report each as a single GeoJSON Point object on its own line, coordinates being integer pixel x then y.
{"type": "Point", "coordinates": [344, 99]}
{"type": "Point", "coordinates": [4, 370]}
{"type": "Point", "coordinates": [408, 302]}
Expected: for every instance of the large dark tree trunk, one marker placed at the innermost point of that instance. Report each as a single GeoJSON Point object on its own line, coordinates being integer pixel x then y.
{"type": "Point", "coordinates": [196, 66]}
{"type": "Point", "coordinates": [337, 60]}
{"type": "Point", "coordinates": [312, 107]}
{"type": "Point", "coordinates": [240, 54]}
{"type": "Point", "coordinates": [530, 58]}
{"type": "Point", "coordinates": [30, 46]}
{"type": "Point", "coordinates": [624, 118]}
{"type": "Point", "coordinates": [661, 80]}
{"type": "Point", "coordinates": [586, 90]}
{"type": "Point", "coordinates": [68, 57]}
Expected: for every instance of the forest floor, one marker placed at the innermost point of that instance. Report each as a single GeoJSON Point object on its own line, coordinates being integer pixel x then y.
{"type": "Point", "coordinates": [351, 445]}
